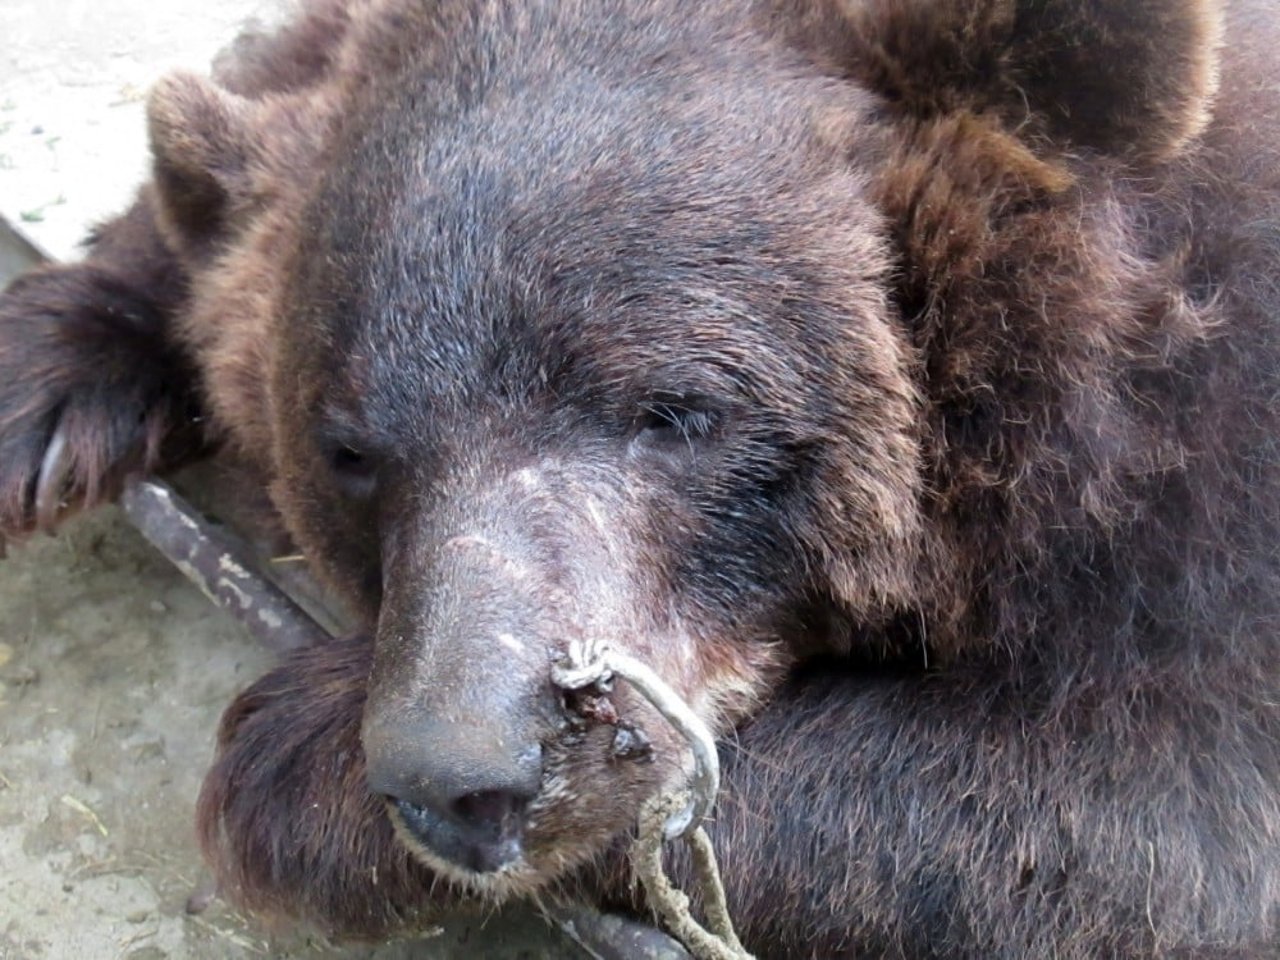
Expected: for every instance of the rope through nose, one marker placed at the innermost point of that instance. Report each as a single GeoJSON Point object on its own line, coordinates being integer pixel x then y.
{"type": "Point", "coordinates": [671, 816]}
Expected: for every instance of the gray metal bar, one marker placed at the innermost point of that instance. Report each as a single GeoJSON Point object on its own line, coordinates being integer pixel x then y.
{"type": "Point", "coordinates": [218, 564]}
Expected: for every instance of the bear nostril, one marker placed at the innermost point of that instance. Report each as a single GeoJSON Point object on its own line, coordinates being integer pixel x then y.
{"type": "Point", "coordinates": [482, 832]}
{"type": "Point", "coordinates": [492, 811]}
{"type": "Point", "coordinates": [461, 800]}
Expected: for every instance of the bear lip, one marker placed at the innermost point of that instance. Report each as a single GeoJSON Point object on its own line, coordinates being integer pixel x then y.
{"type": "Point", "coordinates": [461, 845]}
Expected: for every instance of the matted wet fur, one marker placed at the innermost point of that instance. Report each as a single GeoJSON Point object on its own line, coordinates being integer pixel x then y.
{"type": "Point", "coordinates": [899, 379]}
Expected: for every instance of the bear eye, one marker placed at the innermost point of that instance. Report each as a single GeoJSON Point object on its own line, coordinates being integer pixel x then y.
{"type": "Point", "coordinates": [355, 470]}
{"type": "Point", "coordinates": [675, 421]}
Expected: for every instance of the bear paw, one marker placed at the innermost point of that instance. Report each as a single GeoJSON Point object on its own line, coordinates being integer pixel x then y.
{"type": "Point", "coordinates": [90, 392]}
{"type": "Point", "coordinates": [285, 817]}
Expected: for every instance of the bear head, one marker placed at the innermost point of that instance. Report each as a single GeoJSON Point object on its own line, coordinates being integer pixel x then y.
{"type": "Point", "coordinates": [557, 325]}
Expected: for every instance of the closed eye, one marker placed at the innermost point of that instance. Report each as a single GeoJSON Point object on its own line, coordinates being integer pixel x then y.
{"type": "Point", "coordinates": [667, 421]}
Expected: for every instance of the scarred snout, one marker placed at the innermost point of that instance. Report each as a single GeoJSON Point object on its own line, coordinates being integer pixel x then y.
{"type": "Point", "coordinates": [493, 775]}
{"type": "Point", "coordinates": [454, 739]}
{"type": "Point", "coordinates": [461, 704]}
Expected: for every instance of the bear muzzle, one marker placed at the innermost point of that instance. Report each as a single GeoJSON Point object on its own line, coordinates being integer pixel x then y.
{"type": "Point", "coordinates": [456, 793]}
{"type": "Point", "coordinates": [465, 733]}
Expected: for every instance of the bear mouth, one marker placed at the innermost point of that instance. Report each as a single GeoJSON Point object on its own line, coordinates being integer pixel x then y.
{"type": "Point", "coordinates": [587, 799]}
{"type": "Point", "coordinates": [475, 845]}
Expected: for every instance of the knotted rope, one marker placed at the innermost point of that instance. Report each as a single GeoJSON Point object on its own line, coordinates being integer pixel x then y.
{"type": "Point", "coordinates": [673, 816]}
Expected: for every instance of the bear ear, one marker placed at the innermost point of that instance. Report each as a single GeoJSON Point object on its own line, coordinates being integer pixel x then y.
{"type": "Point", "coordinates": [200, 145]}
{"type": "Point", "coordinates": [1127, 77]}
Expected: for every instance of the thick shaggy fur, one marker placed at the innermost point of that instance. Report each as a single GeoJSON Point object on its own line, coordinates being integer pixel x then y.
{"type": "Point", "coordinates": [965, 536]}
{"type": "Point", "coordinates": [84, 348]}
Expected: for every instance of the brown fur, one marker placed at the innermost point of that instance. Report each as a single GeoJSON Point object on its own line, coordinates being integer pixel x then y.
{"type": "Point", "coordinates": [977, 301]}
{"type": "Point", "coordinates": [83, 349]}
{"type": "Point", "coordinates": [272, 778]}
{"type": "Point", "coordinates": [1135, 80]}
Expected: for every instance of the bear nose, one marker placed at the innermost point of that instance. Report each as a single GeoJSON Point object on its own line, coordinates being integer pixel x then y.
{"type": "Point", "coordinates": [461, 792]}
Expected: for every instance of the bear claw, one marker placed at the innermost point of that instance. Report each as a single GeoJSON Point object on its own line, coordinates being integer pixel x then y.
{"type": "Point", "coordinates": [93, 388]}
{"type": "Point", "coordinates": [51, 482]}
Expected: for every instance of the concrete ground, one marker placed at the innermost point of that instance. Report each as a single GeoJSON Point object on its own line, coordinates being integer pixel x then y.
{"type": "Point", "coordinates": [113, 669]}
{"type": "Point", "coordinates": [73, 81]}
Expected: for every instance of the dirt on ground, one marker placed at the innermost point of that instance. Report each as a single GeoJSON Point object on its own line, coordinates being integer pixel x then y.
{"type": "Point", "coordinates": [113, 672]}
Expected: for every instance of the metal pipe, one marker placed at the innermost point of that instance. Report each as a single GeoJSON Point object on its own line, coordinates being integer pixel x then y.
{"type": "Point", "coordinates": [218, 563]}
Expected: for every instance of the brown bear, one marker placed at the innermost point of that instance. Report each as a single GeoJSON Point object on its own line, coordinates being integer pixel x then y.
{"type": "Point", "coordinates": [899, 379]}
